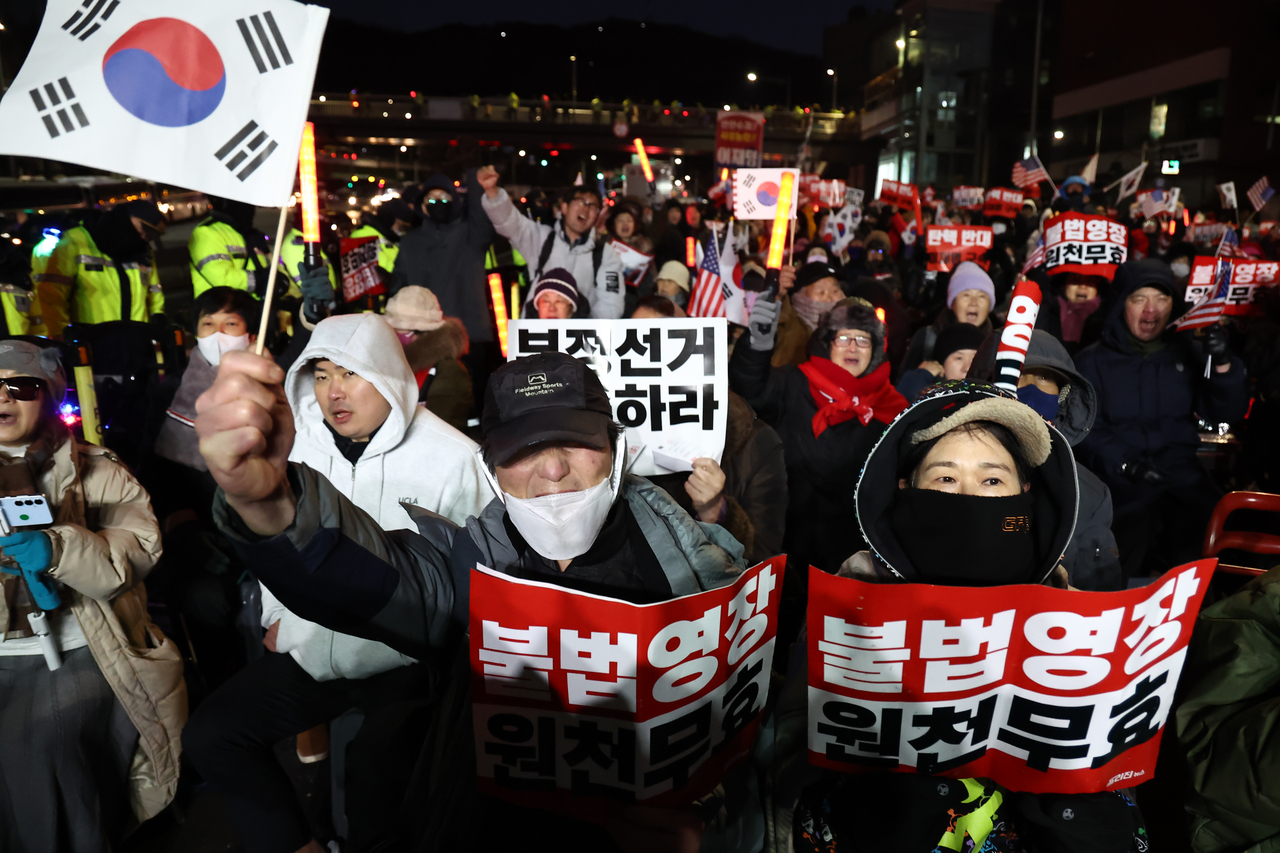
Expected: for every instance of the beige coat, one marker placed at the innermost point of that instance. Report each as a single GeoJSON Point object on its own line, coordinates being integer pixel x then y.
{"type": "Point", "coordinates": [105, 541]}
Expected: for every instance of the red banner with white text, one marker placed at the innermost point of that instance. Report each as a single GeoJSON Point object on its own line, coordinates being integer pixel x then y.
{"type": "Point", "coordinates": [1002, 202]}
{"type": "Point", "coordinates": [360, 268]}
{"type": "Point", "coordinates": [583, 704]}
{"type": "Point", "coordinates": [1247, 276]}
{"type": "Point", "coordinates": [1084, 243]}
{"type": "Point", "coordinates": [951, 245]}
{"type": "Point", "coordinates": [1042, 690]}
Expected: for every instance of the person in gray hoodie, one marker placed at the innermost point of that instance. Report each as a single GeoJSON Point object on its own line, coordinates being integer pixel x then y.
{"type": "Point", "coordinates": [1052, 386]}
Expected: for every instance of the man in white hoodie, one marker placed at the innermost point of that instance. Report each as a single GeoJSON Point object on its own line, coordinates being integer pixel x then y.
{"type": "Point", "coordinates": [354, 402]}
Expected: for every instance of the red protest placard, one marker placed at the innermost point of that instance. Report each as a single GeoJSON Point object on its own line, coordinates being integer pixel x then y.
{"type": "Point", "coordinates": [739, 139]}
{"type": "Point", "coordinates": [1083, 243]}
{"type": "Point", "coordinates": [889, 192]}
{"type": "Point", "coordinates": [967, 198]}
{"type": "Point", "coordinates": [1246, 277]}
{"type": "Point", "coordinates": [360, 268]}
{"type": "Point", "coordinates": [948, 246]}
{"type": "Point", "coordinates": [1042, 690]}
{"type": "Point", "coordinates": [583, 704]}
{"type": "Point", "coordinates": [1002, 202]}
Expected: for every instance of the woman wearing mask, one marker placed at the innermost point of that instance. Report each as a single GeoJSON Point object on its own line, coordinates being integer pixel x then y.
{"type": "Point", "coordinates": [88, 750]}
{"type": "Point", "coordinates": [933, 502]}
{"type": "Point", "coordinates": [828, 411]}
{"type": "Point", "coordinates": [970, 298]}
{"type": "Point", "coordinates": [433, 343]}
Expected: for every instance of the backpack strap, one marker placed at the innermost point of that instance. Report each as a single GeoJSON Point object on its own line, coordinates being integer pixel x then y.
{"type": "Point", "coordinates": [545, 254]}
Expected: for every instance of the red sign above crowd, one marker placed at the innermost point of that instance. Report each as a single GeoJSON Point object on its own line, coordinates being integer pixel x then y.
{"type": "Point", "coordinates": [950, 245]}
{"type": "Point", "coordinates": [1002, 202]}
{"type": "Point", "coordinates": [1083, 243]}
{"type": "Point", "coordinates": [1042, 690]}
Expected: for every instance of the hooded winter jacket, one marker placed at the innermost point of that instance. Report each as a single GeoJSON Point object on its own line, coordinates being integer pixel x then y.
{"type": "Point", "coordinates": [335, 564]}
{"type": "Point", "coordinates": [1147, 405]}
{"type": "Point", "coordinates": [448, 258]}
{"type": "Point", "coordinates": [602, 287]}
{"type": "Point", "coordinates": [920, 808]}
{"type": "Point", "coordinates": [1092, 559]}
{"type": "Point", "coordinates": [1227, 720]}
{"type": "Point", "coordinates": [413, 459]}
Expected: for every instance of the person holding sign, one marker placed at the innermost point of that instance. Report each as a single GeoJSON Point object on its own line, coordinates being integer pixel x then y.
{"type": "Point", "coordinates": [968, 488]}
{"type": "Point", "coordinates": [564, 514]}
{"type": "Point", "coordinates": [829, 412]}
{"type": "Point", "coordinates": [1152, 386]}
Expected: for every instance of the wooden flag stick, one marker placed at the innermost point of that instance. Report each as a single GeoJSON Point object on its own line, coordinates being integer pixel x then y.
{"type": "Point", "coordinates": [271, 280]}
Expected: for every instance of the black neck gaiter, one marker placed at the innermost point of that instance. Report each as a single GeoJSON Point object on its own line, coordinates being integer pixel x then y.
{"type": "Point", "coordinates": [965, 540]}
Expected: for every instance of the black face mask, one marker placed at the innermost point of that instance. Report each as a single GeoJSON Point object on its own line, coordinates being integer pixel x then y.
{"type": "Point", "coordinates": [115, 235]}
{"type": "Point", "coordinates": [439, 211]}
{"type": "Point", "coordinates": [965, 540]}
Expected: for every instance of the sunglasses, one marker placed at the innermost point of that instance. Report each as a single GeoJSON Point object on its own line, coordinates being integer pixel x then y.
{"type": "Point", "coordinates": [23, 388]}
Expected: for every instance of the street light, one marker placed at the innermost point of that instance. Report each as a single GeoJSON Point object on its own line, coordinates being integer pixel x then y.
{"type": "Point", "coordinates": [1057, 134]}
{"type": "Point", "coordinates": [573, 63]}
{"type": "Point", "coordinates": [752, 76]}
{"type": "Point", "coordinates": [835, 81]}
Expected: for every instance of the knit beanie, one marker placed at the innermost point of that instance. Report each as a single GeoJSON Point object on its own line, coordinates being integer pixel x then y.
{"type": "Point", "coordinates": [970, 276]}
{"type": "Point", "coordinates": [675, 271]}
{"type": "Point", "coordinates": [851, 313]}
{"type": "Point", "coordinates": [814, 271]}
{"type": "Point", "coordinates": [955, 338]}
{"type": "Point", "coordinates": [560, 282]}
{"type": "Point", "coordinates": [414, 309]}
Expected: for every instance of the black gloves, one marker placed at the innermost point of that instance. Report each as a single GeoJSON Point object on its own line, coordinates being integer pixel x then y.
{"type": "Point", "coordinates": [318, 296]}
{"type": "Point", "coordinates": [1143, 473]}
{"type": "Point", "coordinates": [1216, 345]}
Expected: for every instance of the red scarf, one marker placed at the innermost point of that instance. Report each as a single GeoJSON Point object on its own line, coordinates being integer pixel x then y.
{"type": "Point", "coordinates": [842, 396]}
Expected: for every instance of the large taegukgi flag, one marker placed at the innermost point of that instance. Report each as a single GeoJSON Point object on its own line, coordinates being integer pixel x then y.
{"type": "Point", "coordinates": [207, 95]}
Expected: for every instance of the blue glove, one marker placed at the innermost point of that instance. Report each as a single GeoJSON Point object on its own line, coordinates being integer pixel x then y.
{"type": "Point", "coordinates": [317, 293]}
{"type": "Point", "coordinates": [32, 550]}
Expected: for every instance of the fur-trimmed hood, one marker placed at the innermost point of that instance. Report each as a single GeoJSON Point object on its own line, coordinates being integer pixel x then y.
{"type": "Point", "coordinates": [431, 348]}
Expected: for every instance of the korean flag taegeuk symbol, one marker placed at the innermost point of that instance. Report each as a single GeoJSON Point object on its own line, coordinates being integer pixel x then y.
{"type": "Point", "coordinates": [207, 96]}
{"type": "Point", "coordinates": [755, 192]}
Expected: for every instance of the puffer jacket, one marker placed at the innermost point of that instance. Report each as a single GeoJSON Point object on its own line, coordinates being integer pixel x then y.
{"type": "Point", "coordinates": [1227, 720]}
{"type": "Point", "coordinates": [411, 592]}
{"type": "Point", "coordinates": [601, 289]}
{"type": "Point", "coordinates": [105, 541]}
{"type": "Point", "coordinates": [1147, 405]}
{"type": "Point", "coordinates": [919, 805]}
{"type": "Point", "coordinates": [444, 386]}
{"type": "Point", "coordinates": [415, 458]}
{"type": "Point", "coordinates": [1092, 559]}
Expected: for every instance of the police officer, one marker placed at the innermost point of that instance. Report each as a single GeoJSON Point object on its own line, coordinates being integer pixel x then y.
{"type": "Point", "coordinates": [388, 222]}
{"type": "Point", "coordinates": [20, 307]}
{"type": "Point", "coordinates": [219, 250]}
{"type": "Point", "coordinates": [104, 269]}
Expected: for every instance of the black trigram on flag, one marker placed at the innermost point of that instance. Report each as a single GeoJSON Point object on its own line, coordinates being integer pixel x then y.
{"type": "Point", "coordinates": [255, 37]}
{"type": "Point", "coordinates": [247, 143]}
{"type": "Point", "coordinates": [49, 104]}
{"type": "Point", "coordinates": [83, 24]}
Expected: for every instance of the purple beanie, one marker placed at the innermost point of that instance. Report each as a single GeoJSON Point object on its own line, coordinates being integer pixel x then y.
{"type": "Point", "coordinates": [558, 281]}
{"type": "Point", "coordinates": [970, 276]}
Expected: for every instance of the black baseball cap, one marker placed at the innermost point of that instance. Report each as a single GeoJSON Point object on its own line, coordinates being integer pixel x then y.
{"type": "Point", "coordinates": [814, 271]}
{"type": "Point", "coordinates": [545, 397]}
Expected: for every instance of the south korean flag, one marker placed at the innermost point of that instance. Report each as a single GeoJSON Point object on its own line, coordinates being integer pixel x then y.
{"type": "Point", "coordinates": [207, 96]}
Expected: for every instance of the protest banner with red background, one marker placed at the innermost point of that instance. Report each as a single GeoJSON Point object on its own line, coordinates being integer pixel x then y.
{"type": "Point", "coordinates": [950, 245]}
{"type": "Point", "coordinates": [1209, 233]}
{"type": "Point", "coordinates": [831, 193]}
{"type": "Point", "coordinates": [1084, 243]}
{"type": "Point", "coordinates": [360, 268]}
{"type": "Point", "coordinates": [635, 263]}
{"type": "Point", "coordinates": [1246, 277]}
{"type": "Point", "coordinates": [1002, 202]}
{"type": "Point", "coordinates": [583, 704]}
{"type": "Point", "coordinates": [967, 198]}
{"type": "Point", "coordinates": [1042, 690]}
{"type": "Point", "coordinates": [898, 194]}
{"type": "Point", "coordinates": [739, 139]}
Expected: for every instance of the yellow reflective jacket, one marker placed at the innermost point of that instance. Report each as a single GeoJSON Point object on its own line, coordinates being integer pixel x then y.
{"type": "Point", "coordinates": [294, 252]}
{"type": "Point", "coordinates": [80, 284]}
{"type": "Point", "coordinates": [387, 249]}
{"type": "Point", "coordinates": [219, 259]}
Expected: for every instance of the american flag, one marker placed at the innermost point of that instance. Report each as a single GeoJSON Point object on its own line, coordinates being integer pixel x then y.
{"type": "Point", "coordinates": [1260, 192]}
{"type": "Point", "coordinates": [1229, 246]}
{"type": "Point", "coordinates": [708, 297]}
{"type": "Point", "coordinates": [1029, 172]}
{"type": "Point", "coordinates": [1209, 311]}
{"type": "Point", "coordinates": [1036, 258]}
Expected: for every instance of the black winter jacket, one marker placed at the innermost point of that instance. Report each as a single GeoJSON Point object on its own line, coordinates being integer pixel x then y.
{"type": "Point", "coordinates": [1147, 405]}
{"type": "Point", "coordinates": [449, 259]}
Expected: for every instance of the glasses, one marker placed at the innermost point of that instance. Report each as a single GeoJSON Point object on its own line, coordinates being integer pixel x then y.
{"type": "Point", "coordinates": [862, 341]}
{"type": "Point", "coordinates": [23, 388]}
{"type": "Point", "coordinates": [439, 200]}
{"type": "Point", "coordinates": [587, 203]}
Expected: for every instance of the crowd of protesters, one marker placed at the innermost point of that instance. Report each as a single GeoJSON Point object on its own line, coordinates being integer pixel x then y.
{"type": "Point", "coordinates": [303, 522]}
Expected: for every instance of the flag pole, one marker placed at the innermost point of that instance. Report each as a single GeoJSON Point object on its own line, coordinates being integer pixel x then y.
{"type": "Point", "coordinates": [271, 280]}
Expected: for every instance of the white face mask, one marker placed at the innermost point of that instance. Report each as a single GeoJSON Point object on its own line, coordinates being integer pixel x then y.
{"type": "Point", "coordinates": [564, 526]}
{"type": "Point", "coordinates": [213, 346]}
{"type": "Point", "coordinates": [1180, 270]}
{"type": "Point", "coordinates": [998, 228]}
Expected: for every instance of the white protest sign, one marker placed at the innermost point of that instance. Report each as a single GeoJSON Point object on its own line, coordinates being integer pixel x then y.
{"type": "Point", "coordinates": [667, 379]}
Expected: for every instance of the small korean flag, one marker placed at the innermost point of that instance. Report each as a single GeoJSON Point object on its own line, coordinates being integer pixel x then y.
{"type": "Point", "coordinates": [208, 96]}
